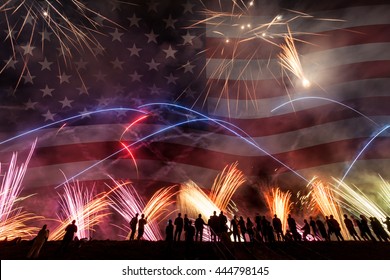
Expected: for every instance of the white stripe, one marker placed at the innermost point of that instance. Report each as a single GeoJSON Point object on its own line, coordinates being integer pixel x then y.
{"type": "Point", "coordinates": [264, 107]}
{"type": "Point", "coordinates": [263, 69]}
{"type": "Point", "coordinates": [230, 27]}
{"type": "Point", "coordinates": [172, 173]}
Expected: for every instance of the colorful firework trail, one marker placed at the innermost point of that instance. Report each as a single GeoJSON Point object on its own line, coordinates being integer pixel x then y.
{"type": "Point", "coordinates": [356, 202]}
{"type": "Point", "coordinates": [323, 197]}
{"type": "Point", "coordinates": [13, 219]}
{"type": "Point", "coordinates": [79, 203]}
{"type": "Point", "coordinates": [126, 201]}
{"type": "Point", "coordinates": [279, 203]}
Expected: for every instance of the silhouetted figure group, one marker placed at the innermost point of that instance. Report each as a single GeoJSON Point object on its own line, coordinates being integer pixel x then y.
{"type": "Point", "coordinates": [137, 225]}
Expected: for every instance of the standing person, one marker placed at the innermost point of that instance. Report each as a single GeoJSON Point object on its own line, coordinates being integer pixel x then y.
{"type": "Point", "coordinates": [378, 229]}
{"type": "Point", "coordinates": [70, 230]}
{"type": "Point", "coordinates": [351, 229]}
{"type": "Point", "coordinates": [169, 231]}
{"type": "Point", "coordinates": [222, 223]}
{"type": "Point", "coordinates": [292, 225]}
{"type": "Point", "coordinates": [277, 224]}
{"type": "Point", "coordinates": [185, 222]}
{"type": "Point", "coordinates": [365, 228]}
{"type": "Point", "coordinates": [314, 228]}
{"type": "Point", "coordinates": [258, 227]}
{"type": "Point", "coordinates": [249, 228]}
{"type": "Point", "coordinates": [330, 227]}
{"type": "Point", "coordinates": [359, 225]}
{"type": "Point", "coordinates": [387, 223]}
{"type": "Point", "coordinates": [141, 226]}
{"type": "Point", "coordinates": [39, 240]}
{"type": "Point", "coordinates": [199, 228]}
{"type": "Point", "coordinates": [179, 222]}
{"type": "Point", "coordinates": [242, 226]}
{"type": "Point", "coordinates": [336, 228]}
{"type": "Point", "coordinates": [264, 228]}
{"type": "Point", "coordinates": [213, 224]}
{"type": "Point", "coordinates": [133, 226]}
{"type": "Point", "coordinates": [234, 229]}
{"type": "Point", "coordinates": [305, 229]}
{"type": "Point", "coordinates": [321, 228]}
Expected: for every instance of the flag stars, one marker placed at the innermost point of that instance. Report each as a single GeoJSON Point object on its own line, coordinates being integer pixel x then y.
{"type": "Point", "coordinates": [188, 38]}
{"type": "Point", "coordinates": [170, 52]}
{"type": "Point", "coordinates": [171, 79]}
{"type": "Point", "coordinates": [85, 113]}
{"type": "Point", "coordinates": [152, 37]}
{"type": "Point", "coordinates": [83, 90]}
{"type": "Point", "coordinates": [64, 78]}
{"type": "Point", "coordinates": [170, 22]}
{"type": "Point", "coordinates": [135, 77]}
{"type": "Point", "coordinates": [45, 64]}
{"type": "Point", "coordinates": [188, 67]}
{"type": "Point", "coordinates": [153, 65]}
{"type": "Point", "coordinates": [152, 6]}
{"type": "Point", "coordinates": [99, 50]}
{"type": "Point", "coordinates": [47, 91]}
{"type": "Point", "coordinates": [45, 35]}
{"type": "Point", "coordinates": [116, 35]}
{"type": "Point", "coordinates": [27, 49]}
{"type": "Point", "coordinates": [49, 116]}
{"type": "Point", "coordinates": [28, 78]}
{"type": "Point", "coordinates": [81, 64]}
{"type": "Point", "coordinates": [30, 105]}
{"type": "Point", "coordinates": [134, 20]}
{"type": "Point", "coordinates": [10, 63]}
{"type": "Point", "coordinates": [66, 103]}
{"type": "Point", "coordinates": [134, 50]}
{"type": "Point", "coordinates": [117, 64]}
{"type": "Point", "coordinates": [100, 76]}
{"type": "Point", "coordinates": [102, 101]}
{"type": "Point", "coordinates": [154, 90]}
{"type": "Point", "coordinates": [188, 7]}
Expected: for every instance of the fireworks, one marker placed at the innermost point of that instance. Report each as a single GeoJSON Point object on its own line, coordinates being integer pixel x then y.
{"type": "Point", "coordinates": [126, 201]}
{"type": "Point", "coordinates": [279, 203]}
{"type": "Point", "coordinates": [80, 204]}
{"type": "Point", "coordinates": [13, 219]}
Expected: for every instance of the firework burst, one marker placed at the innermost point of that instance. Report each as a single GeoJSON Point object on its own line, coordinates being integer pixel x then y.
{"type": "Point", "coordinates": [279, 203]}
{"type": "Point", "coordinates": [13, 219]}
{"type": "Point", "coordinates": [79, 203]}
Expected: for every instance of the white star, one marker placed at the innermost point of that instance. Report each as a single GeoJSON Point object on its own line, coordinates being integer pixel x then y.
{"type": "Point", "coordinates": [135, 77]}
{"type": "Point", "coordinates": [85, 113]}
{"type": "Point", "coordinates": [116, 35]}
{"type": "Point", "coordinates": [170, 52]}
{"type": "Point", "coordinates": [118, 88]}
{"type": "Point", "coordinates": [47, 91]}
{"type": "Point", "coordinates": [134, 20]}
{"type": "Point", "coordinates": [171, 79]}
{"type": "Point", "coordinates": [188, 7]}
{"type": "Point", "coordinates": [117, 64]}
{"type": "Point", "coordinates": [10, 63]}
{"type": "Point", "coordinates": [100, 76]}
{"type": "Point", "coordinates": [190, 93]}
{"type": "Point", "coordinates": [10, 33]}
{"type": "Point", "coordinates": [188, 67]}
{"type": "Point", "coordinates": [48, 116]}
{"type": "Point", "coordinates": [30, 104]}
{"type": "Point", "coordinates": [28, 78]}
{"type": "Point", "coordinates": [29, 19]}
{"type": "Point", "coordinates": [45, 35]}
{"type": "Point", "coordinates": [153, 65]}
{"type": "Point", "coordinates": [188, 38]}
{"type": "Point", "coordinates": [170, 22]}
{"type": "Point", "coordinates": [102, 101]}
{"type": "Point", "coordinates": [152, 37]}
{"type": "Point", "coordinates": [99, 50]}
{"type": "Point", "coordinates": [66, 103]}
{"type": "Point", "coordinates": [81, 64]}
{"type": "Point", "coordinates": [27, 49]}
{"type": "Point", "coordinates": [154, 90]}
{"type": "Point", "coordinates": [152, 6]}
{"type": "Point", "coordinates": [99, 19]}
{"type": "Point", "coordinates": [134, 50]}
{"type": "Point", "coordinates": [45, 64]}
{"type": "Point", "coordinates": [64, 78]}
{"type": "Point", "coordinates": [83, 90]}
{"type": "Point", "coordinates": [121, 113]}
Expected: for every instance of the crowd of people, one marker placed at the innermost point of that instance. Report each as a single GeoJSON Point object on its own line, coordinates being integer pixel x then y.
{"type": "Point", "coordinates": [264, 230]}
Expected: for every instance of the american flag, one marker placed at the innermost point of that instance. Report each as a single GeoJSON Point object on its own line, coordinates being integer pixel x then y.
{"type": "Point", "coordinates": [218, 58]}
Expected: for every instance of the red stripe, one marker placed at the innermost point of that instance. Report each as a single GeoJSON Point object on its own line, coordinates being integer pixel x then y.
{"type": "Point", "coordinates": [328, 153]}
{"type": "Point", "coordinates": [255, 89]}
{"type": "Point", "coordinates": [257, 48]}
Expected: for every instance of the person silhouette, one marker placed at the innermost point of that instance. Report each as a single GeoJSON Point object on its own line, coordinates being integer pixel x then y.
{"type": "Point", "coordinates": [365, 228]}
{"type": "Point", "coordinates": [314, 228]}
{"type": "Point", "coordinates": [249, 228]}
{"type": "Point", "coordinates": [185, 222]}
{"type": "Point", "coordinates": [169, 231]}
{"type": "Point", "coordinates": [242, 226]}
{"type": "Point", "coordinates": [350, 227]}
{"type": "Point", "coordinates": [292, 225]}
{"type": "Point", "coordinates": [321, 228]}
{"type": "Point", "coordinates": [39, 240]}
{"type": "Point", "coordinates": [179, 222]}
{"type": "Point", "coordinates": [277, 224]}
{"type": "Point", "coordinates": [133, 226]}
{"type": "Point", "coordinates": [306, 230]}
{"type": "Point", "coordinates": [213, 225]}
{"type": "Point", "coordinates": [234, 227]}
{"type": "Point", "coordinates": [70, 230]}
{"type": "Point", "coordinates": [199, 228]}
{"type": "Point", "coordinates": [141, 226]}
{"type": "Point", "coordinates": [222, 223]}
{"type": "Point", "coordinates": [336, 228]}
